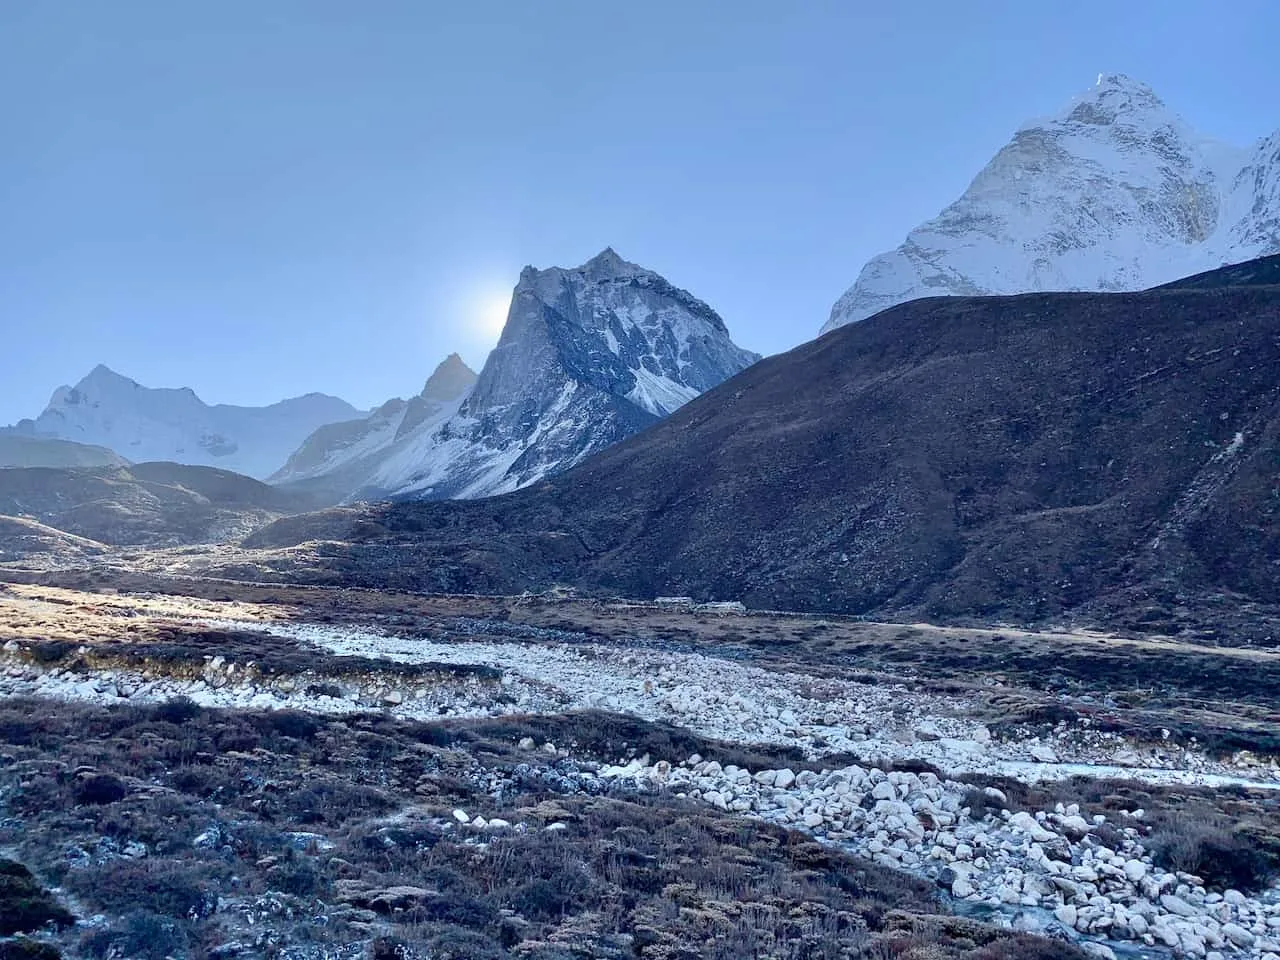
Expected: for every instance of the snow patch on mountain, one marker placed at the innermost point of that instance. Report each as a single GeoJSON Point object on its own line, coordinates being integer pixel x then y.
{"type": "Point", "coordinates": [343, 458]}
{"type": "Point", "coordinates": [142, 424]}
{"type": "Point", "coordinates": [1114, 192]}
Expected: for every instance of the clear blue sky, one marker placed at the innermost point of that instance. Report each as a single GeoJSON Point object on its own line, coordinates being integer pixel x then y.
{"type": "Point", "coordinates": [259, 198]}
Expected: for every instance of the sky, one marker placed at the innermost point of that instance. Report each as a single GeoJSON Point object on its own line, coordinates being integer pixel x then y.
{"type": "Point", "coordinates": [259, 200]}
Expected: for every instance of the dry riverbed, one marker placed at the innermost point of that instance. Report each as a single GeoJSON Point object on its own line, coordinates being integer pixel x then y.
{"type": "Point", "coordinates": [1059, 820]}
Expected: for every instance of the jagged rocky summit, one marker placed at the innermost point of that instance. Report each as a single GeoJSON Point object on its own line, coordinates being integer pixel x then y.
{"type": "Point", "coordinates": [588, 356]}
{"type": "Point", "coordinates": [1115, 192]}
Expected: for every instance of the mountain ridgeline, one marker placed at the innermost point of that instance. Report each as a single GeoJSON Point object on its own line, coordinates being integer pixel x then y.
{"type": "Point", "coordinates": [1115, 192]}
{"type": "Point", "coordinates": [154, 504]}
{"type": "Point", "coordinates": [588, 356]}
{"type": "Point", "coordinates": [141, 423]}
{"type": "Point", "coordinates": [1025, 458]}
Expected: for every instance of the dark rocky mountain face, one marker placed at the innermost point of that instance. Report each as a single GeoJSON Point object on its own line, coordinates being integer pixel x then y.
{"type": "Point", "coordinates": [1017, 458]}
{"type": "Point", "coordinates": [158, 504]}
{"type": "Point", "coordinates": [588, 357]}
{"type": "Point", "coordinates": [1262, 272]}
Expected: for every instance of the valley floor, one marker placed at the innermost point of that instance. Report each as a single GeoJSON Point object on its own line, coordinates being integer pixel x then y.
{"type": "Point", "coordinates": [331, 773]}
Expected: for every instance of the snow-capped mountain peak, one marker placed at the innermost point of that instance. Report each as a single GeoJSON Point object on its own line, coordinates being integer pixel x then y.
{"type": "Point", "coordinates": [1115, 96]}
{"type": "Point", "coordinates": [588, 356]}
{"type": "Point", "coordinates": [1114, 191]}
{"type": "Point", "coordinates": [141, 423]}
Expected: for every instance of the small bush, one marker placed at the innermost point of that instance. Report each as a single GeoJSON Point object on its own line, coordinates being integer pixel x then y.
{"type": "Point", "coordinates": [23, 948]}
{"type": "Point", "coordinates": [24, 905]}
{"type": "Point", "coordinates": [51, 651]}
{"type": "Point", "coordinates": [388, 948]}
{"type": "Point", "coordinates": [170, 888]}
{"type": "Point", "coordinates": [332, 801]}
{"type": "Point", "coordinates": [1214, 851]}
{"type": "Point", "coordinates": [290, 723]}
{"type": "Point", "coordinates": [461, 911]}
{"type": "Point", "coordinates": [551, 897]}
{"type": "Point", "coordinates": [205, 782]}
{"type": "Point", "coordinates": [298, 876]}
{"type": "Point", "coordinates": [458, 943]}
{"type": "Point", "coordinates": [178, 711]}
{"type": "Point", "coordinates": [139, 936]}
{"type": "Point", "coordinates": [100, 788]}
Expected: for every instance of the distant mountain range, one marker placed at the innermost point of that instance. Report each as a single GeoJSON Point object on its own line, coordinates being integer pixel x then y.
{"type": "Point", "coordinates": [1017, 459]}
{"type": "Point", "coordinates": [340, 460]}
{"type": "Point", "coordinates": [588, 356]}
{"type": "Point", "coordinates": [1114, 192]}
{"type": "Point", "coordinates": [141, 423]}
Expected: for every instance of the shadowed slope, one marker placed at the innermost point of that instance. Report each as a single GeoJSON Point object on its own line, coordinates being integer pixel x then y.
{"type": "Point", "coordinates": [997, 457]}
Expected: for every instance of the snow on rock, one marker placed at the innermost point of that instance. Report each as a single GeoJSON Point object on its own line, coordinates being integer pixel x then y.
{"type": "Point", "coordinates": [349, 453]}
{"type": "Point", "coordinates": [140, 423]}
{"type": "Point", "coordinates": [742, 703]}
{"type": "Point", "coordinates": [1115, 192]}
{"type": "Point", "coordinates": [588, 357]}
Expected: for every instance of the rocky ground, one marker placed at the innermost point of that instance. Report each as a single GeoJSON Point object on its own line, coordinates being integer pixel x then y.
{"type": "Point", "coordinates": [1063, 816]}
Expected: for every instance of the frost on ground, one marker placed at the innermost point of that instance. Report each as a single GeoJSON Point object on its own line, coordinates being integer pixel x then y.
{"type": "Point", "coordinates": [1025, 865]}
{"type": "Point", "coordinates": [1060, 868]}
{"type": "Point", "coordinates": [741, 703]}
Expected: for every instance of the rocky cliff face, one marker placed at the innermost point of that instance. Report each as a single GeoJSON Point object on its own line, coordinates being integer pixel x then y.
{"type": "Point", "coordinates": [588, 357]}
{"type": "Point", "coordinates": [1113, 193]}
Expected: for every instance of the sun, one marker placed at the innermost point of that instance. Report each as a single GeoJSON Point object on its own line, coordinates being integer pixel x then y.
{"type": "Point", "coordinates": [490, 314]}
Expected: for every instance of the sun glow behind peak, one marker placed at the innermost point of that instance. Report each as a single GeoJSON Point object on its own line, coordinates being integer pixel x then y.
{"type": "Point", "coordinates": [489, 313]}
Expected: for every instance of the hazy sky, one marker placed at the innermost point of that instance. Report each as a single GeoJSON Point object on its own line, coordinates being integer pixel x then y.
{"type": "Point", "coordinates": [260, 198]}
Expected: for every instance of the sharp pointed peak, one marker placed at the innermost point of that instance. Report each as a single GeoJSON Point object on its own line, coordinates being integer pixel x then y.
{"type": "Point", "coordinates": [607, 263]}
{"type": "Point", "coordinates": [453, 363]}
{"type": "Point", "coordinates": [607, 256]}
{"type": "Point", "coordinates": [449, 379]}
{"type": "Point", "coordinates": [1122, 82]}
{"type": "Point", "coordinates": [1112, 96]}
{"type": "Point", "coordinates": [1112, 99]}
{"type": "Point", "coordinates": [102, 374]}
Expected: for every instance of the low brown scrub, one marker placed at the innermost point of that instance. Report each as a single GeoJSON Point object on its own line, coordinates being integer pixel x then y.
{"type": "Point", "coordinates": [1215, 849]}
{"type": "Point", "coordinates": [348, 819]}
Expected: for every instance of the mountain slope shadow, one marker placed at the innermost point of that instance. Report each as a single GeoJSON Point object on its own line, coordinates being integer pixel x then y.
{"type": "Point", "coordinates": [994, 457]}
